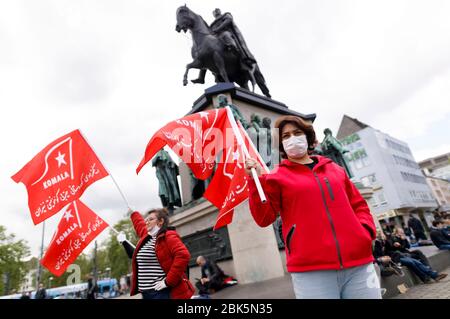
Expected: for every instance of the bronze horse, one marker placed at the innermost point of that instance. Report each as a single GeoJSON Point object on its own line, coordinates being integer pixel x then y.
{"type": "Point", "coordinates": [210, 53]}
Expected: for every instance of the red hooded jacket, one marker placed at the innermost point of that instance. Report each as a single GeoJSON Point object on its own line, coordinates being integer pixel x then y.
{"type": "Point", "coordinates": [172, 255]}
{"type": "Point", "coordinates": [326, 223]}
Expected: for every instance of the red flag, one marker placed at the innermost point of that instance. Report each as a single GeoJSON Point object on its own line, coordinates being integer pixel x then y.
{"type": "Point", "coordinates": [59, 174]}
{"type": "Point", "coordinates": [229, 186]}
{"type": "Point", "coordinates": [79, 225]}
{"type": "Point", "coordinates": [197, 139]}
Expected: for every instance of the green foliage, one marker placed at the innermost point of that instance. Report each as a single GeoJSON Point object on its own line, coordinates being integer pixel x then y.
{"type": "Point", "coordinates": [13, 268]}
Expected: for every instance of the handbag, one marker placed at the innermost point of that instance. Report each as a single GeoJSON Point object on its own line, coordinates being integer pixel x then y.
{"type": "Point", "coordinates": [390, 269]}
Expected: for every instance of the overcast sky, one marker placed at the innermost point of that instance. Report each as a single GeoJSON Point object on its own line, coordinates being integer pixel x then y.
{"type": "Point", "coordinates": [114, 68]}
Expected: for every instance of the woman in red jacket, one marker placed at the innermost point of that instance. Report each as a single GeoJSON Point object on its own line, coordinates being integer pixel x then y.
{"type": "Point", "coordinates": [326, 224]}
{"type": "Point", "coordinates": [159, 260]}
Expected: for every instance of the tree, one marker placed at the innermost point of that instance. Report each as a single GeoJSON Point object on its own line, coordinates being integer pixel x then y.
{"type": "Point", "coordinates": [12, 265]}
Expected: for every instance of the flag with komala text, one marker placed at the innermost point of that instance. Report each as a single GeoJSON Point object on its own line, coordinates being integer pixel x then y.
{"type": "Point", "coordinates": [207, 142]}
{"type": "Point", "coordinates": [79, 225]}
{"type": "Point", "coordinates": [59, 174]}
{"type": "Point", "coordinates": [229, 185]}
{"type": "Point", "coordinates": [196, 139]}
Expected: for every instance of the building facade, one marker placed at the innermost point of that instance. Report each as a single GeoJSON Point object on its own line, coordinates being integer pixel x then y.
{"type": "Point", "coordinates": [387, 165]}
{"type": "Point", "coordinates": [438, 166]}
{"type": "Point", "coordinates": [437, 171]}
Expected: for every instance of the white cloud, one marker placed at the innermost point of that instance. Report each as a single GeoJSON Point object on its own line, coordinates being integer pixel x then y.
{"type": "Point", "coordinates": [415, 115]}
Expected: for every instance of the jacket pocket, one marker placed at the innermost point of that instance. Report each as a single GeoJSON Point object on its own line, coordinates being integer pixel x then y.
{"type": "Point", "coordinates": [330, 190]}
{"type": "Point", "coordinates": [366, 231]}
{"type": "Point", "coordinates": [289, 237]}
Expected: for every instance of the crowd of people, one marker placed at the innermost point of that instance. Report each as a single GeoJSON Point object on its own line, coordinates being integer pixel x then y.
{"type": "Point", "coordinates": [393, 249]}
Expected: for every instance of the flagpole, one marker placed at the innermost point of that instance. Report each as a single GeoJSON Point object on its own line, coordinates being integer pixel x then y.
{"type": "Point", "coordinates": [109, 173]}
{"type": "Point", "coordinates": [39, 274]}
{"type": "Point", "coordinates": [115, 230]}
{"type": "Point", "coordinates": [241, 143]}
{"type": "Point", "coordinates": [264, 166]}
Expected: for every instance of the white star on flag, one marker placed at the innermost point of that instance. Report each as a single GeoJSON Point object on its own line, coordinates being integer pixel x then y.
{"type": "Point", "coordinates": [60, 159]}
{"type": "Point", "coordinates": [68, 215]}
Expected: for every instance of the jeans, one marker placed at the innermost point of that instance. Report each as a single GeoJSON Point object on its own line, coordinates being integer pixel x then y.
{"type": "Point", "coordinates": [444, 247]}
{"type": "Point", "coordinates": [420, 235]}
{"type": "Point", "coordinates": [422, 271]}
{"type": "Point", "coordinates": [359, 282]}
{"type": "Point", "coordinates": [417, 254]}
{"type": "Point", "coordinates": [154, 294]}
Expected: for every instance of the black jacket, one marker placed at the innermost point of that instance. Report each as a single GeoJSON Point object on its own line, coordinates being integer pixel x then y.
{"type": "Point", "coordinates": [404, 244]}
{"type": "Point", "coordinates": [212, 271]}
{"type": "Point", "coordinates": [378, 249]}
{"type": "Point", "coordinates": [416, 225]}
{"type": "Point", "coordinates": [397, 252]}
{"type": "Point", "coordinates": [41, 294]}
{"type": "Point", "coordinates": [438, 237]}
{"type": "Point", "coordinates": [129, 248]}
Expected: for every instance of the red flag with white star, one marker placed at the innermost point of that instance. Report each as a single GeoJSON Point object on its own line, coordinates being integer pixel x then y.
{"type": "Point", "coordinates": [79, 225]}
{"type": "Point", "coordinates": [59, 174]}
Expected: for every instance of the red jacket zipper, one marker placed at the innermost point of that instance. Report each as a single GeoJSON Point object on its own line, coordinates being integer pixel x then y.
{"type": "Point", "coordinates": [330, 219]}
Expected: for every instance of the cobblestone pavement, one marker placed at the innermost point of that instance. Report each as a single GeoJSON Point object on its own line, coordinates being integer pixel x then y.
{"type": "Point", "coordinates": [437, 290]}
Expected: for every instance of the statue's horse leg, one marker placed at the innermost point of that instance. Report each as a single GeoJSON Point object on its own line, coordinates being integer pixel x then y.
{"type": "Point", "coordinates": [251, 74]}
{"type": "Point", "coordinates": [220, 65]}
{"type": "Point", "coordinates": [244, 84]}
{"type": "Point", "coordinates": [201, 77]}
{"type": "Point", "coordinates": [247, 74]}
{"type": "Point", "coordinates": [193, 65]}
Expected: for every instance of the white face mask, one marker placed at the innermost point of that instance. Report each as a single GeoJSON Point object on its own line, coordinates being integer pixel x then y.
{"type": "Point", "coordinates": [154, 230]}
{"type": "Point", "coordinates": [296, 146]}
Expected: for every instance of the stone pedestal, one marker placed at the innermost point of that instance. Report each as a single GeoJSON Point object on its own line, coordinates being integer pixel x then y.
{"type": "Point", "coordinates": [255, 250]}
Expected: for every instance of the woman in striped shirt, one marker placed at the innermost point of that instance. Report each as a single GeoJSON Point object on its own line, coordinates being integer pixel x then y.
{"type": "Point", "coordinates": [159, 260]}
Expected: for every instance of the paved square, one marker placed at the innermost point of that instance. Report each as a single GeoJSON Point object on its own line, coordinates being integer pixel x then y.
{"type": "Point", "coordinates": [437, 290]}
